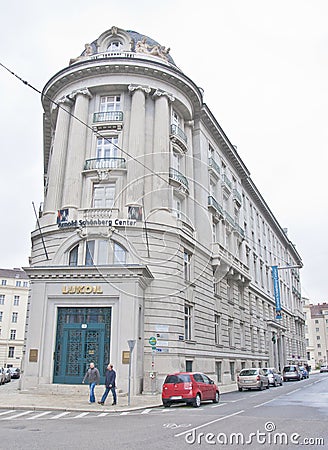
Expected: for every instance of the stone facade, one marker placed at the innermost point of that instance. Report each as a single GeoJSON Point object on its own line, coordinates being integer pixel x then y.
{"type": "Point", "coordinates": [150, 211]}
{"type": "Point", "coordinates": [316, 333]}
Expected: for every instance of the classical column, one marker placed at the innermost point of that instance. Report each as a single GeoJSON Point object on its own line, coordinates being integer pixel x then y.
{"type": "Point", "coordinates": [56, 165]}
{"type": "Point", "coordinates": [137, 139]}
{"type": "Point", "coordinates": [76, 152]}
{"type": "Point", "coordinates": [190, 200]}
{"type": "Point", "coordinates": [161, 157]}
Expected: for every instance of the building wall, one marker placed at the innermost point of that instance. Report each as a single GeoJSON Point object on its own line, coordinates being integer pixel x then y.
{"type": "Point", "coordinates": [201, 256]}
{"type": "Point", "coordinates": [316, 333]}
{"type": "Point", "coordinates": [14, 286]}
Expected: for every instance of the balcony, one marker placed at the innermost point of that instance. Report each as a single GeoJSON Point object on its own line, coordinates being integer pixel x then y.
{"type": "Point", "coordinates": [236, 196]}
{"type": "Point", "coordinates": [239, 230]}
{"type": "Point", "coordinates": [108, 120]}
{"type": "Point", "coordinates": [226, 184]}
{"type": "Point", "coordinates": [229, 219]}
{"type": "Point", "coordinates": [105, 163]}
{"type": "Point", "coordinates": [229, 265]}
{"type": "Point", "coordinates": [215, 206]}
{"type": "Point", "coordinates": [178, 136]}
{"type": "Point", "coordinates": [213, 167]}
{"type": "Point", "coordinates": [179, 180]}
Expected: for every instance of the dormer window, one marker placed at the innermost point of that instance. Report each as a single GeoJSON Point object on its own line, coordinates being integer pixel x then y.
{"type": "Point", "coordinates": [115, 46]}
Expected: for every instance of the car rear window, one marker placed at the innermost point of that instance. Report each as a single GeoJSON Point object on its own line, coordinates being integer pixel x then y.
{"type": "Point", "coordinates": [174, 379]}
{"type": "Point", "coordinates": [247, 372]}
{"type": "Point", "coordinates": [289, 369]}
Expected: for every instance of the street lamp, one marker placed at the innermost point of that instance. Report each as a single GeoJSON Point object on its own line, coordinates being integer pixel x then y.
{"type": "Point", "coordinates": [131, 344]}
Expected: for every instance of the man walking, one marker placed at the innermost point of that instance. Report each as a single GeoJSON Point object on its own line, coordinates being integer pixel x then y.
{"type": "Point", "coordinates": [110, 380]}
{"type": "Point", "coordinates": [92, 376]}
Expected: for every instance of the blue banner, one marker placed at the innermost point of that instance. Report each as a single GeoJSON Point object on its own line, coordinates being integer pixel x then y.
{"type": "Point", "coordinates": [276, 290]}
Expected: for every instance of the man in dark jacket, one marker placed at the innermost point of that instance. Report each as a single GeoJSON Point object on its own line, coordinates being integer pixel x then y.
{"type": "Point", "coordinates": [110, 380]}
{"type": "Point", "coordinates": [92, 376]}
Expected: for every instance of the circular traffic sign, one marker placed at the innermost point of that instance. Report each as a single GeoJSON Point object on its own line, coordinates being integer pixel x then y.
{"type": "Point", "coordinates": [152, 341]}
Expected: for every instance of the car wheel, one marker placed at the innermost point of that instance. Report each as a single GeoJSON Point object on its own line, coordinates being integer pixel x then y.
{"type": "Point", "coordinates": [196, 403]}
{"type": "Point", "coordinates": [261, 387]}
{"type": "Point", "coordinates": [280, 382]}
{"type": "Point", "coordinates": [216, 398]}
{"type": "Point", "coordinates": [240, 389]}
{"type": "Point", "coordinates": [268, 385]}
{"type": "Point", "coordinates": [166, 404]}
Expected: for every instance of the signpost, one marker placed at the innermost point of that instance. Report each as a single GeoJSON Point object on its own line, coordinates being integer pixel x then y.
{"type": "Point", "coordinates": [152, 341]}
{"type": "Point", "coordinates": [131, 344]}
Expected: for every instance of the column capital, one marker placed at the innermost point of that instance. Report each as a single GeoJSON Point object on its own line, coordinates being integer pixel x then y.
{"type": "Point", "coordinates": [135, 87]}
{"type": "Point", "coordinates": [83, 91]}
{"type": "Point", "coordinates": [63, 101]}
{"type": "Point", "coordinates": [159, 93]}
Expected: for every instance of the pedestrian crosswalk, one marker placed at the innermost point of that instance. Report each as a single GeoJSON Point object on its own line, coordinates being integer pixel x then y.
{"type": "Point", "coordinates": [16, 414]}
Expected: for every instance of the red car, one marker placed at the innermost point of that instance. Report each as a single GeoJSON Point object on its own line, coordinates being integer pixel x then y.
{"type": "Point", "coordinates": [189, 387]}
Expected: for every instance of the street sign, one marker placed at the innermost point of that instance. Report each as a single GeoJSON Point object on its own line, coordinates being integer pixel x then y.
{"type": "Point", "coordinates": [152, 341]}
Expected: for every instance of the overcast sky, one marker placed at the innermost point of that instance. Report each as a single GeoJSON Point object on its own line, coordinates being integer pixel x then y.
{"type": "Point", "coordinates": [264, 70]}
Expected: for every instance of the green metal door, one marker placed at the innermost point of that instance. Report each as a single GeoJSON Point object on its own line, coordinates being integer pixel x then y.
{"type": "Point", "coordinates": [83, 336]}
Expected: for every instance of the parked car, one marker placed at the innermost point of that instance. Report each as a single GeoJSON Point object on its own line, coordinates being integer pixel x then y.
{"type": "Point", "coordinates": [15, 372]}
{"type": "Point", "coordinates": [7, 375]}
{"type": "Point", "coordinates": [189, 387]}
{"type": "Point", "coordinates": [323, 369]}
{"type": "Point", "coordinates": [304, 372]}
{"type": "Point", "coordinates": [252, 378]}
{"type": "Point", "coordinates": [274, 376]}
{"type": "Point", "coordinates": [291, 372]}
{"type": "Point", "coordinates": [2, 376]}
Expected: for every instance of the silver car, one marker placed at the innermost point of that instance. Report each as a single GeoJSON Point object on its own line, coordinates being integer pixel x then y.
{"type": "Point", "coordinates": [252, 378]}
{"type": "Point", "coordinates": [274, 376]}
{"type": "Point", "coordinates": [2, 376]}
{"type": "Point", "coordinates": [291, 372]}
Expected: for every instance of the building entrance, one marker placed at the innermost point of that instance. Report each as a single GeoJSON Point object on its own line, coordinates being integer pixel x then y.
{"type": "Point", "coordinates": [83, 336]}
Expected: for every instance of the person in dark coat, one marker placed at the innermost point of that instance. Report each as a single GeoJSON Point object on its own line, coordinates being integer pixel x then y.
{"type": "Point", "coordinates": [110, 383]}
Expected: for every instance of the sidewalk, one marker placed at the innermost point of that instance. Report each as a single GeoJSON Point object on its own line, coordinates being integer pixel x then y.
{"type": "Point", "coordinates": [13, 398]}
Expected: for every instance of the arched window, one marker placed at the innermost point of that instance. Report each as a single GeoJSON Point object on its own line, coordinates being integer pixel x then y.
{"type": "Point", "coordinates": [73, 256]}
{"type": "Point", "coordinates": [115, 46]}
{"type": "Point", "coordinates": [119, 254]}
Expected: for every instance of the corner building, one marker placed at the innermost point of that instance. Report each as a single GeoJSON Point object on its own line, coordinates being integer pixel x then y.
{"type": "Point", "coordinates": [151, 227]}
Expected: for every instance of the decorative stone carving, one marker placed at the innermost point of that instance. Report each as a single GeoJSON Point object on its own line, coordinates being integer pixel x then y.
{"type": "Point", "coordinates": [83, 91]}
{"type": "Point", "coordinates": [114, 30]}
{"type": "Point", "coordinates": [154, 50]}
{"type": "Point", "coordinates": [135, 87]}
{"type": "Point", "coordinates": [87, 52]}
{"type": "Point", "coordinates": [160, 93]}
{"type": "Point", "coordinates": [103, 174]}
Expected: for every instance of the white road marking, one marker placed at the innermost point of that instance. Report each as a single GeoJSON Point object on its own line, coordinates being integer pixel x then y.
{"type": "Point", "coordinates": [264, 403]}
{"type": "Point", "coordinates": [6, 412]}
{"type": "Point", "coordinates": [209, 423]}
{"type": "Point", "coordinates": [17, 415]}
{"type": "Point", "coordinates": [39, 415]}
{"type": "Point", "coordinates": [60, 415]}
{"type": "Point", "coordinates": [220, 404]}
{"type": "Point", "coordinates": [102, 414]}
{"type": "Point", "coordinates": [146, 411]}
{"type": "Point", "coordinates": [125, 413]}
{"type": "Point", "coordinates": [292, 392]}
{"type": "Point", "coordinates": [81, 415]}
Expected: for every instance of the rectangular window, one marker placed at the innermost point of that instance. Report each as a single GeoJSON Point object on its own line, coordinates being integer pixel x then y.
{"type": "Point", "coordinates": [107, 147]}
{"type": "Point", "coordinates": [232, 371]}
{"type": "Point", "coordinates": [230, 291]}
{"type": "Point", "coordinates": [188, 321]}
{"type": "Point", "coordinates": [18, 283]}
{"type": "Point", "coordinates": [12, 335]}
{"type": "Point", "coordinates": [73, 256]}
{"type": "Point", "coordinates": [89, 254]}
{"type": "Point", "coordinates": [230, 333]}
{"type": "Point", "coordinates": [3, 282]}
{"type": "Point", "coordinates": [110, 103]}
{"type": "Point", "coordinates": [103, 195]}
{"type": "Point", "coordinates": [25, 283]}
{"type": "Point", "coordinates": [16, 300]}
{"type": "Point", "coordinates": [242, 335]}
{"type": "Point", "coordinates": [1, 314]}
{"type": "Point", "coordinates": [188, 366]}
{"type": "Point", "coordinates": [11, 352]}
{"type": "Point", "coordinates": [217, 326]}
{"type": "Point", "coordinates": [14, 317]}
{"type": "Point", "coordinates": [2, 299]}
{"type": "Point", "coordinates": [218, 370]}
{"type": "Point", "coordinates": [186, 265]}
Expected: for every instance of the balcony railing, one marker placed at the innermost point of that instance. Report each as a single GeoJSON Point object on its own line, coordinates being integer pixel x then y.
{"type": "Point", "coordinates": [214, 204]}
{"type": "Point", "coordinates": [179, 178]}
{"type": "Point", "coordinates": [239, 230]}
{"type": "Point", "coordinates": [237, 197]}
{"type": "Point", "coordinates": [105, 163]}
{"type": "Point", "coordinates": [229, 219]}
{"type": "Point", "coordinates": [108, 116]}
{"type": "Point", "coordinates": [226, 181]}
{"type": "Point", "coordinates": [214, 165]}
{"type": "Point", "coordinates": [177, 131]}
